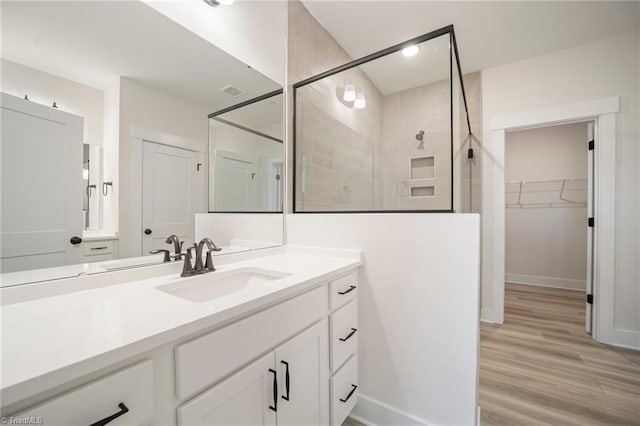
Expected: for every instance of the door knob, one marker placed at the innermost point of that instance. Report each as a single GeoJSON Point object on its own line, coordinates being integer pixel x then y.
{"type": "Point", "coordinates": [75, 240]}
{"type": "Point", "coordinates": [147, 231]}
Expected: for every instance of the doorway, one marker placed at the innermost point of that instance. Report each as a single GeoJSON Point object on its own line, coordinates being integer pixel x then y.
{"type": "Point", "coordinates": [548, 203]}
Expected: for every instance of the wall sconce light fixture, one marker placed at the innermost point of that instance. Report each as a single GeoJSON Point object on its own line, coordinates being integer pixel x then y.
{"type": "Point", "coordinates": [349, 94]}
{"type": "Point", "coordinates": [361, 102]}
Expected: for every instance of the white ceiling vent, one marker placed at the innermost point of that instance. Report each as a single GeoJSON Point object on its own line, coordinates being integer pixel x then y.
{"type": "Point", "coordinates": [232, 90]}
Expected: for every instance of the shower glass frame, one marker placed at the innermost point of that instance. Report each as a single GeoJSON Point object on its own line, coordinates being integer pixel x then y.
{"type": "Point", "coordinates": [457, 73]}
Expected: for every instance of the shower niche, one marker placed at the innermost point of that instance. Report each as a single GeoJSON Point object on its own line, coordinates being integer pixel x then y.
{"type": "Point", "coordinates": [423, 168]}
{"type": "Point", "coordinates": [355, 143]}
{"type": "Point", "coordinates": [423, 174]}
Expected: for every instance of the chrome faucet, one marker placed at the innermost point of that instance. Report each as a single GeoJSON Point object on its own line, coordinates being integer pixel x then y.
{"type": "Point", "coordinates": [167, 256]}
{"type": "Point", "coordinates": [199, 268]}
{"type": "Point", "coordinates": [208, 266]}
{"type": "Point", "coordinates": [177, 245]}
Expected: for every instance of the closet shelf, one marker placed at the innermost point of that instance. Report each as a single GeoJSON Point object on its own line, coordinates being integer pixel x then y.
{"type": "Point", "coordinates": [565, 192]}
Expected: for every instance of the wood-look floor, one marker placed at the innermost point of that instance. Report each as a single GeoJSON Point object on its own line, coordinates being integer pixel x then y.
{"type": "Point", "coordinates": [541, 367]}
{"type": "Point", "coordinates": [351, 422]}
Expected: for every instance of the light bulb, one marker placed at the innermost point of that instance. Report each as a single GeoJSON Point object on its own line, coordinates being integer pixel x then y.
{"type": "Point", "coordinates": [360, 102]}
{"type": "Point", "coordinates": [349, 94]}
{"type": "Point", "coordinates": [410, 51]}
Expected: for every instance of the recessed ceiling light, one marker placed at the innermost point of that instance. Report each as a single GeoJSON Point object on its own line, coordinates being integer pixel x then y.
{"type": "Point", "coordinates": [226, 2]}
{"type": "Point", "coordinates": [410, 50]}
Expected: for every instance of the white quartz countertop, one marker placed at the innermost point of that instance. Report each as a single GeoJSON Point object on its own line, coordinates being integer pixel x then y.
{"type": "Point", "coordinates": [49, 341]}
{"type": "Point", "coordinates": [9, 279]}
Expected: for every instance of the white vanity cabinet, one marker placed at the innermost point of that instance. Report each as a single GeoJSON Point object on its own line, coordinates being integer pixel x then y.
{"type": "Point", "coordinates": [99, 250]}
{"type": "Point", "coordinates": [343, 345]}
{"type": "Point", "coordinates": [283, 387]}
{"type": "Point", "coordinates": [288, 362]}
{"type": "Point", "coordinates": [125, 397]}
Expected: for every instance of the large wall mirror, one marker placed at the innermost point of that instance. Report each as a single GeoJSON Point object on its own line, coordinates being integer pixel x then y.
{"type": "Point", "coordinates": [105, 136]}
{"type": "Point", "coordinates": [246, 153]}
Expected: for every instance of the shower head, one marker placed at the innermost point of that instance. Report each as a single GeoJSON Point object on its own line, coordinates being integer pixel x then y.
{"type": "Point", "coordinates": [420, 135]}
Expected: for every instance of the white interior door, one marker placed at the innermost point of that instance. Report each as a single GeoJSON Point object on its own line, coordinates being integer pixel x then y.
{"type": "Point", "coordinates": [590, 213]}
{"type": "Point", "coordinates": [236, 184]}
{"type": "Point", "coordinates": [170, 187]}
{"type": "Point", "coordinates": [300, 377]}
{"type": "Point", "coordinates": [41, 186]}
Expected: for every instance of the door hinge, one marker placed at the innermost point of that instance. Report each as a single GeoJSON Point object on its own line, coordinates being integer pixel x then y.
{"type": "Point", "coordinates": [592, 145]}
{"type": "Point", "coordinates": [591, 222]}
{"type": "Point", "coordinates": [590, 299]}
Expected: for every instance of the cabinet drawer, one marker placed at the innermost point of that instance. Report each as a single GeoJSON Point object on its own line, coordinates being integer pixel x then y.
{"type": "Point", "coordinates": [97, 400]}
{"type": "Point", "coordinates": [343, 290]}
{"type": "Point", "coordinates": [344, 393]}
{"type": "Point", "coordinates": [205, 360]}
{"type": "Point", "coordinates": [344, 334]}
{"type": "Point", "coordinates": [94, 248]}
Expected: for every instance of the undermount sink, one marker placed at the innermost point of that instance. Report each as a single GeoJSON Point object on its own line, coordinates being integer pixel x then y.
{"type": "Point", "coordinates": [219, 284]}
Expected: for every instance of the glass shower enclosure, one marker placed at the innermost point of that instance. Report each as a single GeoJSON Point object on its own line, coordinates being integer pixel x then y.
{"type": "Point", "coordinates": [389, 132]}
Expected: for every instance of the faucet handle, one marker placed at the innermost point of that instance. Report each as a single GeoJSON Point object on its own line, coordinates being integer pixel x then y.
{"type": "Point", "coordinates": [209, 262]}
{"type": "Point", "coordinates": [187, 269]}
{"type": "Point", "coordinates": [167, 257]}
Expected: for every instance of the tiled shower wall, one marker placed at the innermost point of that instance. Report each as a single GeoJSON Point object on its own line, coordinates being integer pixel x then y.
{"type": "Point", "coordinates": [336, 151]}
{"type": "Point", "coordinates": [472, 168]}
{"type": "Point", "coordinates": [404, 114]}
{"type": "Point", "coordinates": [352, 159]}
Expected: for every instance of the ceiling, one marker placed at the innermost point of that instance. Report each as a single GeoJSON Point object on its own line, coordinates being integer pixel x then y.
{"type": "Point", "coordinates": [395, 72]}
{"type": "Point", "coordinates": [94, 42]}
{"type": "Point", "coordinates": [488, 33]}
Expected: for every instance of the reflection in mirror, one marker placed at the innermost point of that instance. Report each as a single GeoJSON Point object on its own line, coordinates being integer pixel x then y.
{"type": "Point", "coordinates": [105, 134]}
{"type": "Point", "coordinates": [246, 154]}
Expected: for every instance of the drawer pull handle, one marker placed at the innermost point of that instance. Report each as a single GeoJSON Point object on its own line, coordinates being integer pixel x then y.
{"type": "Point", "coordinates": [123, 410]}
{"type": "Point", "coordinates": [353, 331]}
{"type": "Point", "coordinates": [286, 381]}
{"type": "Point", "coordinates": [274, 407]}
{"type": "Point", "coordinates": [351, 288]}
{"type": "Point", "coordinates": [353, 389]}
{"type": "Point", "coordinates": [99, 248]}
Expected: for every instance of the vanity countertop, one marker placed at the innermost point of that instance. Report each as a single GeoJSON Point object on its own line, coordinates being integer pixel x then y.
{"type": "Point", "coordinates": [9, 279]}
{"type": "Point", "coordinates": [49, 341]}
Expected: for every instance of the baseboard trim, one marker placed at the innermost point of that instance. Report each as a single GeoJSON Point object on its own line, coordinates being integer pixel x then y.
{"type": "Point", "coordinates": [564, 283]}
{"type": "Point", "coordinates": [372, 412]}
{"type": "Point", "coordinates": [628, 339]}
{"type": "Point", "coordinates": [486, 315]}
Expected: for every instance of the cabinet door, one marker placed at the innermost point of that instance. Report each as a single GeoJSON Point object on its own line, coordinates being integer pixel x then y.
{"type": "Point", "coordinates": [243, 399]}
{"type": "Point", "coordinates": [302, 378]}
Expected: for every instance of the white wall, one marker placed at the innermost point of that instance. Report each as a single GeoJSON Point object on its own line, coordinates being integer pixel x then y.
{"type": "Point", "coordinates": [608, 67]}
{"type": "Point", "coordinates": [258, 28]}
{"type": "Point", "coordinates": [418, 311]}
{"type": "Point", "coordinates": [145, 107]}
{"type": "Point", "coordinates": [547, 245]}
{"type": "Point", "coordinates": [224, 227]}
{"type": "Point", "coordinates": [111, 148]}
{"type": "Point", "coordinates": [45, 88]}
